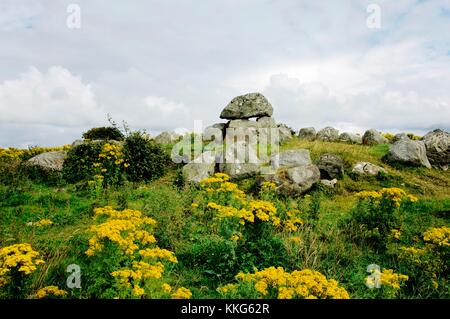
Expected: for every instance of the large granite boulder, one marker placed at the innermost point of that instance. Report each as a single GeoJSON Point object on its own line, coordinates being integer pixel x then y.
{"type": "Point", "coordinates": [53, 161]}
{"type": "Point", "coordinates": [409, 153]}
{"type": "Point", "coordinates": [328, 134]}
{"type": "Point", "coordinates": [307, 133]}
{"type": "Point", "coordinates": [437, 144]}
{"type": "Point", "coordinates": [367, 169]}
{"type": "Point", "coordinates": [247, 106]}
{"type": "Point", "coordinates": [351, 138]}
{"type": "Point", "coordinates": [373, 137]}
{"type": "Point", "coordinates": [291, 158]}
{"type": "Point", "coordinates": [331, 166]}
{"type": "Point", "coordinates": [167, 138]}
{"type": "Point", "coordinates": [297, 180]}
{"type": "Point", "coordinates": [201, 167]}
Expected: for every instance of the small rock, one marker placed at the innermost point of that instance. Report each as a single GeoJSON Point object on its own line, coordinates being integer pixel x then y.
{"type": "Point", "coordinates": [366, 168]}
{"type": "Point", "coordinates": [329, 183]}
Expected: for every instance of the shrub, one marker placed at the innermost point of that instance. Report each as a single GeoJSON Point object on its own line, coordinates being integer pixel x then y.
{"type": "Point", "coordinates": [277, 283]}
{"type": "Point", "coordinates": [104, 133]}
{"type": "Point", "coordinates": [147, 159]}
{"type": "Point", "coordinates": [79, 164]}
{"type": "Point", "coordinates": [378, 213]}
{"type": "Point", "coordinates": [125, 260]}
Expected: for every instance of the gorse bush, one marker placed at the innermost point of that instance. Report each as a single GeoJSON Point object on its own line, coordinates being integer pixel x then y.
{"type": "Point", "coordinates": [104, 133]}
{"type": "Point", "coordinates": [147, 160]}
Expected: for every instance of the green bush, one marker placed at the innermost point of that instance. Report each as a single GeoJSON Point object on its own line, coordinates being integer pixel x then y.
{"type": "Point", "coordinates": [147, 159]}
{"type": "Point", "coordinates": [104, 133]}
{"type": "Point", "coordinates": [79, 164]}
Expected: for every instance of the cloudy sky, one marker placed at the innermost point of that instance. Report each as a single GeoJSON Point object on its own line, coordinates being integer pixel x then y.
{"type": "Point", "coordinates": [160, 65]}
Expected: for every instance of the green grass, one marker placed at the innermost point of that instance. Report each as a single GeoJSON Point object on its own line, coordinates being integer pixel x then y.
{"type": "Point", "coordinates": [327, 247]}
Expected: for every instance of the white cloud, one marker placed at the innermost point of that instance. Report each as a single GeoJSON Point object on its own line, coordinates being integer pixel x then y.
{"type": "Point", "coordinates": [160, 65]}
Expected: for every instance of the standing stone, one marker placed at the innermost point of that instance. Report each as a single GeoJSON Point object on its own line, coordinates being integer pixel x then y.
{"type": "Point", "coordinates": [367, 169]}
{"type": "Point", "coordinates": [331, 166]}
{"type": "Point", "coordinates": [307, 133]}
{"type": "Point", "coordinates": [240, 160]}
{"type": "Point", "coordinates": [247, 106]}
{"type": "Point", "coordinates": [266, 122]}
{"type": "Point", "coordinates": [328, 134]}
{"type": "Point", "coordinates": [437, 144]}
{"type": "Point", "coordinates": [53, 161]}
{"type": "Point", "coordinates": [373, 137]}
{"type": "Point", "coordinates": [408, 152]}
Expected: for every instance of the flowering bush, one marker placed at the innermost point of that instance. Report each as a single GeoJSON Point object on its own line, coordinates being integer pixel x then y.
{"type": "Point", "coordinates": [16, 262]}
{"type": "Point", "coordinates": [277, 283]}
{"type": "Point", "coordinates": [248, 230]}
{"type": "Point", "coordinates": [125, 239]}
{"type": "Point", "coordinates": [389, 282]}
{"type": "Point", "coordinates": [109, 166]}
{"type": "Point", "coordinates": [50, 292]}
{"type": "Point", "coordinates": [238, 215]}
{"type": "Point", "coordinates": [427, 262]}
{"type": "Point", "coordinates": [380, 213]}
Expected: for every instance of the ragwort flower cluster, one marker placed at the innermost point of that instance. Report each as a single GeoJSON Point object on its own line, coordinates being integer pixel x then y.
{"type": "Point", "coordinates": [130, 232]}
{"type": "Point", "coordinates": [275, 282]}
{"type": "Point", "coordinates": [18, 257]}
